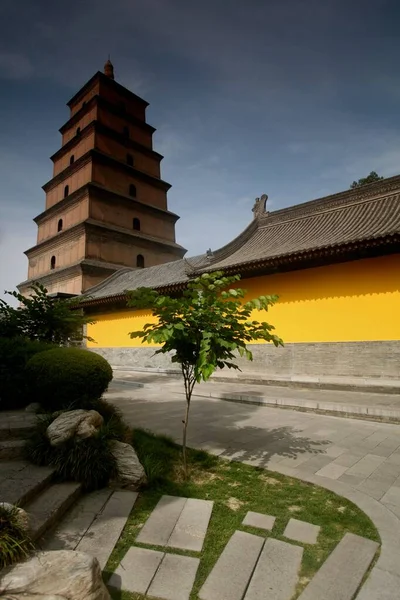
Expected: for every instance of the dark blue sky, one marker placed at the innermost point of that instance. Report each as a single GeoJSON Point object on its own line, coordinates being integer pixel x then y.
{"type": "Point", "coordinates": [293, 98]}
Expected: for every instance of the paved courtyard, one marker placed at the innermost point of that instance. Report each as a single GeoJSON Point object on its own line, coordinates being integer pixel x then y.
{"type": "Point", "coordinates": [357, 459]}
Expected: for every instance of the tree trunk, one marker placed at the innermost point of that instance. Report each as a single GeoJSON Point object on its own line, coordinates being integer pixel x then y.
{"type": "Point", "coordinates": [185, 426]}
{"type": "Point", "coordinates": [189, 382]}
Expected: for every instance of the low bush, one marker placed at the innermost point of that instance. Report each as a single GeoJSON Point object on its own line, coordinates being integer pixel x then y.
{"type": "Point", "coordinates": [14, 356]}
{"type": "Point", "coordinates": [68, 378]}
{"type": "Point", "coordinates": [15, 544]}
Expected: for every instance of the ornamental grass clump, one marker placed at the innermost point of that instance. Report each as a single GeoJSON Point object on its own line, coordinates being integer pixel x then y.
{"type": "Point", "coordinates": [15, 544]}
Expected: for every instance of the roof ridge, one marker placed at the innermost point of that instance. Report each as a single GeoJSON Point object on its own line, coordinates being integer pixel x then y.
{"type": "Point", "coordinates": [267, 222]}
{"type": "Point", "coordinates": [364, 193]}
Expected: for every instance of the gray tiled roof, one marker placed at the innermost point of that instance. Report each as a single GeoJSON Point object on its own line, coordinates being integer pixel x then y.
{"type": "Point", "coordinates": [368, 213]}
{"type": "Point", "coordinates": [163, 275]}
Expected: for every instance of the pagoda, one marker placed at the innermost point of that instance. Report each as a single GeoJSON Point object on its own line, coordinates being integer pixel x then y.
{"type": "Point", "coordinates": [106, 204]}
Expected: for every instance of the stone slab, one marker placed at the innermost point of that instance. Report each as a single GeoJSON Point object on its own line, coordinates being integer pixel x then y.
{"type": "Point", "coordinates": [254, 519]}
{"type": "Point", "coordinates": [77, 521]}
{"type": "Point", "coordinates": [277, 572]}
{"type": "Point", "coordinates": [366, 466]}
{"type": "Point", "coordinates": [392, 496]}
{"type": "Point", "coordinates": [303, 532]}
{"type": "Point", "coordinates": [342, 572]}
{"type": "Point", "coordinates": [231, 573]}
{"type": "Point", "coordinates": [136, 570]}
{"type": "Point", "coordinates": [380, 584]}
{"type": "Point", "coordinates": [191, 527]}
{"type": "Point", "coordinates": [103, 534]}
{"type": "Point", "coordinates": [175, 578]}
{"type": "Point", "coordinates": [332, 471]}
{"type": "Point", "coordinates": [159, 526]}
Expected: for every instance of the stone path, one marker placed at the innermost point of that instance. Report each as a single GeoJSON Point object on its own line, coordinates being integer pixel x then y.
{"type": "Point", "coordinates": [248, 566]}
{"type": "Point", "coordinates": [359, 460]}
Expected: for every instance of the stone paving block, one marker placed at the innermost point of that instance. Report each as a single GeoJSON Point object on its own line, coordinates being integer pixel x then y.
{"type": "Point", "coordinates": [366, 466]}
{"type": "Point", "coordinates": [303, 532]}
{"type": "Point", "coordinates": [375, 489]}
{"type": "Point", "coordinates": [392, 496]}
{"type": "Point", "coordinates": [342, 572]}
{"type": "Point", "coordinates": [332, 471]}
{"type": "Point", "coordinates": [159, 526]}
{"type": "Point", "coordinates": [380, 584]}
{"type": "Point", "coordinates": [175, 578]}
{"type": "Point", "coordinates": [231, 573]}
{"type": "Point", "coordinates": [254, 519]}
{"type": "Point", "coordinates": [276, 573]}
{"type": "Point", "coordinates": [334, 451]}
{"type": "Point", "coordinates": [352, 480]}
{"type": "Point", "coordinates": [136, 570]}
{"type": "Point", "coordinates": [191, 527]}
{"type": "Point", "coordinates": [103, 534]}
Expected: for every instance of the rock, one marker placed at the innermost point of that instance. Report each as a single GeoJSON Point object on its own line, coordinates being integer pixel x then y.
{"type": "Point", "coordinates": [57, 575]}
{"type": "Point", "coordinates": [74, 423]}
{"type": "Point", "coordinates": [34, 407]}
{"type": "Point", "coordinates": [130, 472]}
{"type": "Point", "coordinates": [23, 517]}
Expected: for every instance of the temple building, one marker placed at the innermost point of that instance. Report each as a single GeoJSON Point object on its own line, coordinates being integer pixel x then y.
{"type": "Point", "coordinates": [335, 264]}
{"type": "Point", "coordinates": [106, 204]}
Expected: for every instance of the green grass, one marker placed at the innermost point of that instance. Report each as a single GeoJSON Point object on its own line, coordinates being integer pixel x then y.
{"type": "Point", "coordinates": [235, 489]}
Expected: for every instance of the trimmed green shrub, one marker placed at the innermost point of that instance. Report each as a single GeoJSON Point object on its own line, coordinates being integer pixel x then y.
{"type": "Point", "coordinates": [14, 355]}
{"type": "Point", "coordinates": [15, 544]}
{"type": "Point", "coordinates": [68, 378]}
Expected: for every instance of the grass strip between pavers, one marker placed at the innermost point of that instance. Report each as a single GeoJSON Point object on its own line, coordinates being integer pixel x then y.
{"type": "Point", "coordinates": [235, 489]}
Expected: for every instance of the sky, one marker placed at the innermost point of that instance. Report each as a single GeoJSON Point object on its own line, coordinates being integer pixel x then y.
{"type": "Point", "coordinates": [292, 98]}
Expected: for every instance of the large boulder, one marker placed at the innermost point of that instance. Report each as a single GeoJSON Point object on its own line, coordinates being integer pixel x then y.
{"type": "Point", "coordinates": [57, 575]}
{"type": "Point", "coordinates": [74, 423]}
{"type": "Point", "coordinates": [130, 471]}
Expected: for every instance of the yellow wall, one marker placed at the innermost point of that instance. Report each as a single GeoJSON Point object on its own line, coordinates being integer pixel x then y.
{"type": "Point", "coordinates": [354, 301]}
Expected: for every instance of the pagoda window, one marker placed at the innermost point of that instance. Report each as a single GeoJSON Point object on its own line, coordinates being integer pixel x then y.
{"type": "Point", "coordinates": [66, 191]}
{"type": "Point", "coordinates": [140, 261]}
{"type": "Point", "coordinates": [132, 190]}
{"type": "Point", "coordinates": [129, 160]}
{"type": "Point", "coordinates": [53, 262]}
{"type": "Point", "coordinates": [71, 159]}
{"type": "Point", "coordinates": [136, 224]}
{"type": "Point", "coordinates": [78, 131]}
{"type": "Point", "coordinates": [60, 225]}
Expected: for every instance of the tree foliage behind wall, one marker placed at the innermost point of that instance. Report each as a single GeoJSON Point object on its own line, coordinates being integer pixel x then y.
{"type": "Point", "coordinates": [42, 318]}
{"type": "Point", "coordinates": [371, 178]}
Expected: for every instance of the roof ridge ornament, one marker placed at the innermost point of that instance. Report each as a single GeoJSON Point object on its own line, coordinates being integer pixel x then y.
{"type": "Point", "coordinates": [259, 208]}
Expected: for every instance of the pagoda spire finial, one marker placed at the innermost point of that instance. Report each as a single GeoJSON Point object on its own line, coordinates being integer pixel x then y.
{"type": "Point", "coordinates": [109, 69]}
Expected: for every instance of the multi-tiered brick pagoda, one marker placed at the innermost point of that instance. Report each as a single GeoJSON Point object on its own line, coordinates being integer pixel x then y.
{"type": "Point", "coordinates": [106, 204]}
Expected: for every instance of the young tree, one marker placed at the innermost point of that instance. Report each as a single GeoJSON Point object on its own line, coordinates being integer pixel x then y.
{"type": "Point", "coordinates": [204, 328]}
{"type": "Point", "coordinates": [43, 318]}
{"type": "Point", "coordinates": [371, 178]}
